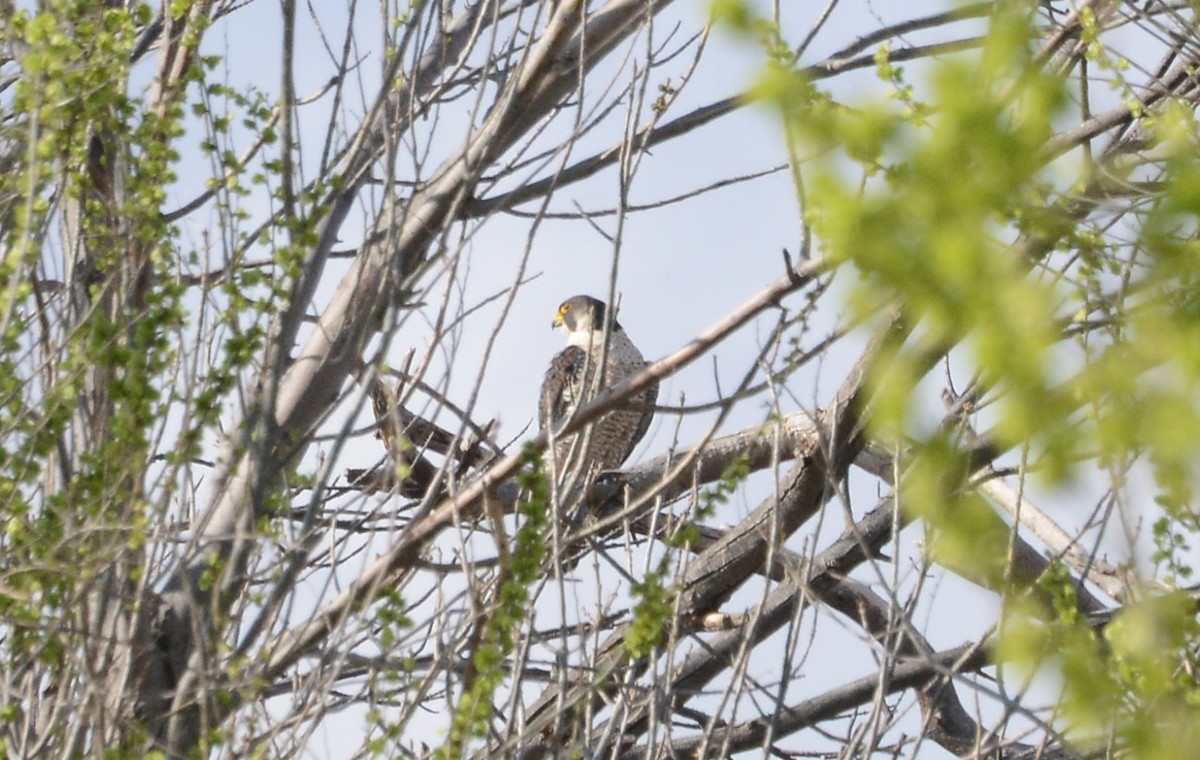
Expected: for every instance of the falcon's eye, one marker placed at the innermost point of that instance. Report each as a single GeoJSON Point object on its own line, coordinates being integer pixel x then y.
{"type": "Point", "coordinates": [564, 308]}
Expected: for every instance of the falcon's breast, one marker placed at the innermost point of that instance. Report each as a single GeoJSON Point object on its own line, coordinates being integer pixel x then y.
{"type": "Point", "coordinates": [572, 380]}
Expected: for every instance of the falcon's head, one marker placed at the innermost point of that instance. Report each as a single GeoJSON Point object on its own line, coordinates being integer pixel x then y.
{"type": "Point", "coordinates": [581, 317]}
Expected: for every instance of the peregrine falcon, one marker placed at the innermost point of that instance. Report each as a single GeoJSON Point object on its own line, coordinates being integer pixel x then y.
{"type": "Point", "coordinates": [594, 341]}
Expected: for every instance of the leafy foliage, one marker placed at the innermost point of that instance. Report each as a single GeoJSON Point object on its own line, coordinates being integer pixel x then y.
{"type": "Point", "coordinates": [510, 607]}
{"type": "Point", "coordinates": [944, 209]}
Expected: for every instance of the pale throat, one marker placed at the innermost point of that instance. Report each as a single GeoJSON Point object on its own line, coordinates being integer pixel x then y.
{"type": "Point", "coordinates": [585, 339]}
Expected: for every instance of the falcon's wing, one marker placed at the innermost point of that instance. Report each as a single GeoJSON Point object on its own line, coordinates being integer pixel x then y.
{"type": "Point", "coordinates": [560, 389]}
{"type": "Point", "coordinates": [645, 407]}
